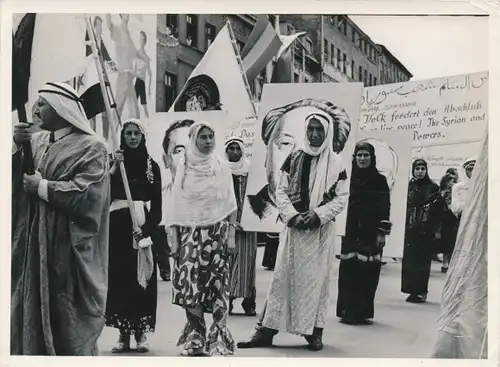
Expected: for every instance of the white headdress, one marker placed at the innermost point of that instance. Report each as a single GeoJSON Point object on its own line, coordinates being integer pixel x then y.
{"type": "Point", "coordinates": [67, 104]}
{"type": "Point", "coordinates": [239, 168]}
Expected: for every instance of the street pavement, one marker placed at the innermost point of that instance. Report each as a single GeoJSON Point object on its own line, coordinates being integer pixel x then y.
{"type": "Point", "coordinates": [400, 329]}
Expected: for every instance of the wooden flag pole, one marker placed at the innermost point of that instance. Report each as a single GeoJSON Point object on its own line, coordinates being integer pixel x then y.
{"type": "Point", "coordinates": [111, 116]}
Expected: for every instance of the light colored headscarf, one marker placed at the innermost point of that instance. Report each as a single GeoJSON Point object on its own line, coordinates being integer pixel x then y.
{"type": "Point", "coordinates": [329, 163]}
{"type": "Point", "coordinates": [137, 123]}
{"type": "Point", "coordinates": [203, 192]}
{"type": "Point", "coordinates": [239, 168]}
{"type": "Point", "coordinates": [468, 162]}
{"type": "Point", "coordinates": [65, 101]}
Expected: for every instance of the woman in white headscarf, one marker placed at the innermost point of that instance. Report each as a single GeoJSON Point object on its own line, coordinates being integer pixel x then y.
{"type": "Point", "coordinates": [132, 293]}
{"type": "Point", "coordinates": [204, 205]}
{"type": "Point", "coordinates": [244, 258]}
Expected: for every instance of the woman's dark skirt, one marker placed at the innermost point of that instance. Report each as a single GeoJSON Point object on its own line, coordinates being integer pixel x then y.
{"type": "Point", "coordinates": [129, 308]}
{"type": "Point", "coordinates": [416, 269]}
{"type": "Point", "coordinates": [358, 282]}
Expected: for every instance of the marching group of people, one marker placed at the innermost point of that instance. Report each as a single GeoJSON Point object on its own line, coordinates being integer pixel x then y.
{"type": "Point", "coordinates": [82, 261]}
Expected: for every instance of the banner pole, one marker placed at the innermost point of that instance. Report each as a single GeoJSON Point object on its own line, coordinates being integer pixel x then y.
{"type": "Point", "coordinates": [240, 64]}
{"type": "Point", "coordinates": [104, 89]}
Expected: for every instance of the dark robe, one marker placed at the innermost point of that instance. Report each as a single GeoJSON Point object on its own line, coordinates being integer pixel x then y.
{"type": "Point", "coordinates": [131, 308]}
{"type": "Point", "coordinates": [449, 226]}
{"type": "Point", "coordinates": [367, 216]}
{"type": "Point", "coordinates": [423, 218]}
{"type": "Point", "coordinates": [271, 250]}
{"type": "Point", "coordinates": [60, 254]}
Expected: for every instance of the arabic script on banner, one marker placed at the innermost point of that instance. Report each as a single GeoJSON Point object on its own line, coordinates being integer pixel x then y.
{"type": "Point", "coordinates": [438, 111]}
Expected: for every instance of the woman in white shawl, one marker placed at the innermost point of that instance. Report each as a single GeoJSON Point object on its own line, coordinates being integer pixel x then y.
{"type": "Point", "coordinates": [203, 240]}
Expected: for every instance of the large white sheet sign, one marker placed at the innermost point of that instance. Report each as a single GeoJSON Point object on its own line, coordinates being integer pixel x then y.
{"type": "Point", "coordinates": [438, 111]}
{"type": "Point", "coordinates": [277, 136]}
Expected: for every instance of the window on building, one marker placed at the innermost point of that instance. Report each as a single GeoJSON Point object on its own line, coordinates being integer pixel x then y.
{"type": "Point", "coordinates": [344, 27]}
{"type": "Point", "coordinates": [353, 70]}
{"type": "Point", "coordinates": [170, 89]}
{"type": "Point", "coordinates": [333, 55]}
{"type": "Point", "coordinates": [296, 77]}
{"type": "Point", "coordinates": [344, 63]}
{"type": "Point", "coordinates": [374, 80]}
{"type": "Point", "coordinates": [360, 74]}
{"type": "Point", "coordinates": [365, 77]}
{"type": "Point", "coordinates": [339, 59]}
{"type": "Point", "coordinates": [354, 36]}
{"type": "Point", "coordinates": [370, 80]}
{"type": "Point", "coordinates": [209, 34]}
{"type": "Point", "coordinates": [192, 30]}
{"type": "Point", "coordinates": [173, 25]}
{"type": "Point", "coordinates": [325, 50]}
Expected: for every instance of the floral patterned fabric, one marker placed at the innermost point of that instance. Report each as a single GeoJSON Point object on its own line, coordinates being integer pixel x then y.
{"type": "Point", "coordinates": [200, 285]}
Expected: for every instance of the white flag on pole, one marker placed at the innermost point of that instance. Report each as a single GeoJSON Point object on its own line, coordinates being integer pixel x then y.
{"type": "Point", "coordinates": [217, 83]}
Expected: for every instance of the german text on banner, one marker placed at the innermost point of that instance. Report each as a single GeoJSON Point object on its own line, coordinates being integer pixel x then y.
{"type": "Point", "coordinates": [437, 111]}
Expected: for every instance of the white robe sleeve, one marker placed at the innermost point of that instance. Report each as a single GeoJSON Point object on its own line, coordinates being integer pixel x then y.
{"type": "Point", "coordinates": [457, 200]}
{"type": "Point", "coordinates": [285, 206]}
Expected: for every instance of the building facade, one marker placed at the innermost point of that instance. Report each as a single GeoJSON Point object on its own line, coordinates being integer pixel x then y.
{"type": "Point", "coordinates": [334, 49]}
{"type": "Point", "coordinates": [346, 53]}
{"type": "Point", "coordinates": [194, 34]}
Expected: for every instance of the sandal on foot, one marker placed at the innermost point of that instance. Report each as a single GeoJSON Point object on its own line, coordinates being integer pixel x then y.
{"type": "Point", "coordinates": [122, 345]}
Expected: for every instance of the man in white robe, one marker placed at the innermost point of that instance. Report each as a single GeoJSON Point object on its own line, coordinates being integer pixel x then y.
{"type": "Point", "coordinates": [60, 220]}
{"type": "Point", "coordinates": [311, 193]}
{"type": "Point", "coordinates": [459, 190]}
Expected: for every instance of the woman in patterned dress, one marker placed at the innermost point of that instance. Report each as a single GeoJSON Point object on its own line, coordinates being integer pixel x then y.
{"type": "Point", "coordinates": [204, 220]}
{"type": "Point", "coordinates": [131, 302]}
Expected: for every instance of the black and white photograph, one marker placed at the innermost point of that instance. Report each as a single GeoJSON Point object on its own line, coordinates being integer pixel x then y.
{"type": "Point", "coordinates": [267, 185]}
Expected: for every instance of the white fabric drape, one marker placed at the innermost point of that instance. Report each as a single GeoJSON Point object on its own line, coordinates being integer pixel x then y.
{"type": "Point", "coordinates": [462, 325]}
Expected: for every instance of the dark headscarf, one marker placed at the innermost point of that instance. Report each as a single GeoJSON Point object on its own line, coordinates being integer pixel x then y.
{"type": "Point", "coordinates": [373, 159]}
{"type": "Point", "coordinates": [137, 161]}
{"type": "Point", "coordinates": [420, 163]}
{"type": "Point", "coordinates": [363, 179]}
{"type": "Point", "coordinates": [423, 190]}
{"type": "Point", "coordinates": [369, 202]}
